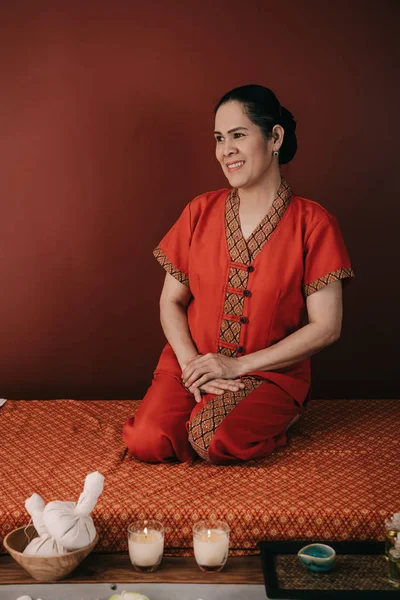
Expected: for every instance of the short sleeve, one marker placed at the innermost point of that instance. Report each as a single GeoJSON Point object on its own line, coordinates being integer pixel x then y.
{"type": "Point", "coordinates": [173, 251]}
{"type": "Point", "coordinates": [326, 258]}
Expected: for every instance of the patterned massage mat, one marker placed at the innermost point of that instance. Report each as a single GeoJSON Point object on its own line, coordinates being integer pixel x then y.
{"type": "Point", "coordinates": [336, 479]}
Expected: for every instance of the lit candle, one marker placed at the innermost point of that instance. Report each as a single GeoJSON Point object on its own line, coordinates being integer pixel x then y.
{"type": "Point", "coordinates": [211, 544]}
{"type": "Point", "coordinates": [146, 544]}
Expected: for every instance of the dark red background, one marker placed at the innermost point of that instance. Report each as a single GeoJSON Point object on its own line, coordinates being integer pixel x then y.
{"type": "Point", "coordinates": [106, 133]}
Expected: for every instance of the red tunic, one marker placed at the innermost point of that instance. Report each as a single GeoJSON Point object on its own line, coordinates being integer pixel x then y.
{"type": "Point", "coordinates": [250, 294]}
{"type": "Point", "coordinates": [246, 296]}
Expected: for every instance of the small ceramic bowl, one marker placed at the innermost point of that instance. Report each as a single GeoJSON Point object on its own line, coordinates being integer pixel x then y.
{"type": "Point", "coordinates": [317, 557]}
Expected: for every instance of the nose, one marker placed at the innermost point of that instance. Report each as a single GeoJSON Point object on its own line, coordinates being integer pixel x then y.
{"type": "Point", "coordinates": [229, 147]}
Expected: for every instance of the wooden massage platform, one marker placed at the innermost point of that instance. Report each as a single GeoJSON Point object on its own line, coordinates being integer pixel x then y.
{"type": "Point", "coordinates": [336, 479]}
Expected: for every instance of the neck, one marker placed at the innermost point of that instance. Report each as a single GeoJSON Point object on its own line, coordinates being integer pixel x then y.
{"type": "Point", "coordinates": [261, 194]}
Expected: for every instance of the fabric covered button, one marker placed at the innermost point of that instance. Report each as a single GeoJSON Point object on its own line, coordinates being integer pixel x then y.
{"type": "Point", "coordinates": [247, 293]}
{"type": "Point", "coordinates": [250, 269]}
{"type": "Point", "coordinates": [240, 349]}
{"type": "Point", "coordinates": [243, 320]}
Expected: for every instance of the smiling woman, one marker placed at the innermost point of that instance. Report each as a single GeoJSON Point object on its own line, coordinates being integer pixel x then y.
{"type": "Point", "coordinates": [253, 288]}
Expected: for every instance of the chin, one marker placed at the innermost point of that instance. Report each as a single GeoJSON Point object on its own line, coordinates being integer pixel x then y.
{"type": "Point", "coordinates": [235, 181]}
{"type": "Point", "coordinates": [238, 182]}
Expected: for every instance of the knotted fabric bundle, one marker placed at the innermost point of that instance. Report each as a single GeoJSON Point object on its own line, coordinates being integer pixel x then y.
{"type": "Point", "coordinates": [69, 522]}
{"type": "Point", "coordinates": [44, 544]}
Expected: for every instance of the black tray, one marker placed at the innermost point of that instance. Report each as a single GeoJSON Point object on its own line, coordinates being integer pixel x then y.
{"type": "Point", "coordinates": [360, 572]}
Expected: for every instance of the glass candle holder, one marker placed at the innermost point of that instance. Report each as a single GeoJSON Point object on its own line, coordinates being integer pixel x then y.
{"type": "Point", "coordinates": [211, 544]}
{"type": "Point", "coordinates": [146, 545]}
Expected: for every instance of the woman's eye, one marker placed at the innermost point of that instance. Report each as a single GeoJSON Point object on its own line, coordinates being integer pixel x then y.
{"type": "Point", "coordinates": [238, 134]}
{"type": "Point", "coordinates": [218, 138]}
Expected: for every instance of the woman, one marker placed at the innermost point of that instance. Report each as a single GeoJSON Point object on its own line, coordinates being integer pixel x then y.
{"type": "Point", "coordinates": [253, 288]}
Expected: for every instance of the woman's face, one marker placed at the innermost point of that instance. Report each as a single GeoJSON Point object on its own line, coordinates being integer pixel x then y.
{"type": "Point", "coordinates": [242, 149]}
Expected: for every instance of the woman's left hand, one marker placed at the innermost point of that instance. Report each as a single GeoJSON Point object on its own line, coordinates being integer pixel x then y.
{"type": "Point", "coordinates": [210, 366]}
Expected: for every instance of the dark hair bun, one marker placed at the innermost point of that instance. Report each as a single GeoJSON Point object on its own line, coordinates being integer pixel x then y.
{"type": "Point", "coordinates": [289, 145]}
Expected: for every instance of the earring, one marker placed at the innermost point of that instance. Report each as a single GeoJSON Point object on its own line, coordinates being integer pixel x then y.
{"type": "Point", "coordinates": [276, 153]}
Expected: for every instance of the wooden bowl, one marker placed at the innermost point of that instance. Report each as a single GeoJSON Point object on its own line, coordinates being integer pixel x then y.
{"type": "Point", "coordinates": [43, 568]}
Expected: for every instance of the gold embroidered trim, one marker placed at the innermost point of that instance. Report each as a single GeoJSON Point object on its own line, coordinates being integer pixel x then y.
{"type": "Point", "coordinates": [226, 351]}
{"type": "Point", "coordinates": [204, 425]}
{"type": "Point", "coordinates": [265, 229]}
{"type": "Point", "coordinates": [230, 331]}
{"type": "Point", "coordinates": [321, 282]}
{"type": "Point", "coordinates": [169, 267]}
{"type": "Point", "coordinates": [233, 304]}
{"type": "Point", "coordinates": [244, 252]}
{"type": "Point", "coordinates": [237, 246]}
{"type": "Point", "coordinates": [238, 278]}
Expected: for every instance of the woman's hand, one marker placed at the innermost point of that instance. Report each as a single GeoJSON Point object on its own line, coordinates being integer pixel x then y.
{"type": "Point", "coordinates": [217, 387]}
{"type": "Point", "coordinates": [204, 369]}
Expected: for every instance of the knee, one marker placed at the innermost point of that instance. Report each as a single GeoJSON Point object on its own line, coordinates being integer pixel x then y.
{"type": "Point", "coordinates": [151, 445]}
{"type": "Point", "coordinates": [142, 434]}
{"type": "Point", "coordinates": [141, 439]}
{"type": "Point", "coordinates": [156, 439]}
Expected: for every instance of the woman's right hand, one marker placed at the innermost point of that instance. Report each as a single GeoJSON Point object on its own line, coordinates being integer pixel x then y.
{"type": "Point", "coordinates": [217, 387]}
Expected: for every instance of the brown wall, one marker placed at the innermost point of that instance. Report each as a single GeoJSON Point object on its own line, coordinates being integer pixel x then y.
{"type": "Point", "coordinates": [106, 132]}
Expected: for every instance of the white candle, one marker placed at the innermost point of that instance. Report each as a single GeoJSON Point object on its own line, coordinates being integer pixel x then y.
{"type": "Point", "coordinates": [211, 547]}
{"type": "Point", "coordinates": [146, 548]}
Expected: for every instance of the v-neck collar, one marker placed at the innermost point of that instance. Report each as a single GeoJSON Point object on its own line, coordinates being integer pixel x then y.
{"type": "Point", "coordinates": [245, 251]}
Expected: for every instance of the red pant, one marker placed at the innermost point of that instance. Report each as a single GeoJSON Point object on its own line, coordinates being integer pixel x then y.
{"type": "Point", "coordinates": [169, 424]}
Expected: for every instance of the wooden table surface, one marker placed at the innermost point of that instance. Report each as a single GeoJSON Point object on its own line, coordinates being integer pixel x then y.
{"type": "Point", "coordinates": [116, 568]}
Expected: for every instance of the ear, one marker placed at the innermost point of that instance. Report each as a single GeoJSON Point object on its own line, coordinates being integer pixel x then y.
{"type": "Point", "coordinates": [277, 133]}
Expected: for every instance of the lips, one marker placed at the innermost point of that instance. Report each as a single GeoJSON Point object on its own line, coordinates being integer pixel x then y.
{"type": "Point", "coordinates": [234, 166]}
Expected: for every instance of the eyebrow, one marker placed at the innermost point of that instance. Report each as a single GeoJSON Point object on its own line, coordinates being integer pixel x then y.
{"type": "Point", "coordinates": [231, 130]}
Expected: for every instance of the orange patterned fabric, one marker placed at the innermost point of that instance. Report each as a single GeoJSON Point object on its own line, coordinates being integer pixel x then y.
{"type": "Point", "coordinates": [317, 488]}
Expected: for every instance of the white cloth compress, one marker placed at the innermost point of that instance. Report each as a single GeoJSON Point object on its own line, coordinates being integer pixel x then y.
{"type": "Point", "coordinates": [70, 523]}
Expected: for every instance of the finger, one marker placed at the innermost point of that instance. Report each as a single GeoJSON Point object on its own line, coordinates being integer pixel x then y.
{"type": "Point", "coordinates": [196, 393]}
{"type": "Point", "coordinates": [239, 381]}
{"type": "Point", "coordinates": [187, 371]}
{"type": "Point", "coordinates": [211, 389]}
{"type": "Point", "coordinates": [192, 373]}
{"type": "Point", "coordinates": [228, 384]}
{"type": "Point", "coordinates": [196, 376]}
{"type": "Point", "coordinates": [196, 369]}
{"type": "Point", "coordinates": [189, 377]}
{"type": "Point", "coordinates": [225, 385]}
{"type": "Point", "coordinates": [229, 388]}
{"type": "Point", "coordinates": [190, 366]}
{"type": "Point", "coordinates": [202, 380]}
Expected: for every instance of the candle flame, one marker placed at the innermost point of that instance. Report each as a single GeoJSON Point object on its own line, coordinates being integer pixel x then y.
{"type": "Point", "coordinates": [208, 533]}
{"type": "Point", "coordinates": [145, 531]}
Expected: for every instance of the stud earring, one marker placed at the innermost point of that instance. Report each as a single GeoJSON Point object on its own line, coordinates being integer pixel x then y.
{"type": "Point", "coordinates": [276, 153]}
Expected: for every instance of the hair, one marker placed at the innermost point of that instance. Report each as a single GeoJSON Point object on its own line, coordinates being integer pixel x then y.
{"type": "Point", "coordinates": [263, 109]}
